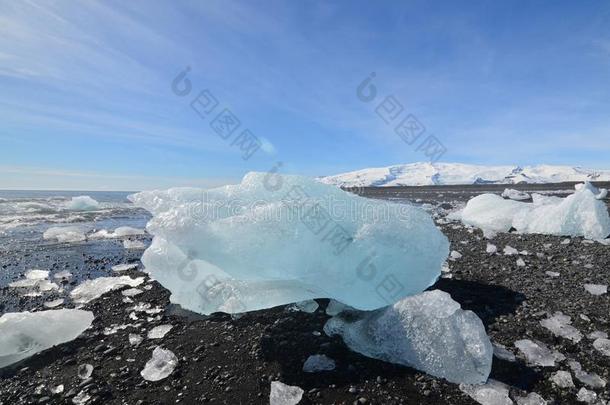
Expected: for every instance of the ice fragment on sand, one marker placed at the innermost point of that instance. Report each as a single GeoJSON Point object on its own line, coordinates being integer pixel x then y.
{"type": "Point", "coordinates": [586, 396]}
{"type": "Point", "coordinates": [429, 332]}
{"type": "Point", "coordinates": [81, 398]}
{"type": "Point", "coordinates": [552, 273]}
{"type": "Point", "coordinates": [597, 334]}
{"type": "Point", "coordinates": [531, 399]}
{"type": "Point", "coordinates": [563, 379]}
{"type": "Point", "coordinates": [85, 371]}
{"type": "Point", "coordinates": [124, 267]}
{"type": "Point", "coordinates": [275, 230]}
{"type": "Point", "coordinates": [134, 339]}
{"type": "Point", "coordinates": [309, 306]}
{"type": "Point", "coordinates": [515, 194]}
{"type": "Point", "coordinates": [65, 234]}
{"type": "Point", "coordinates": [282, 394]}
{"type": "Point", "coordinates": [491, 393]}
{"type": "Point", "coordinates": [131, 292]}
{"type": "Point", "coordinates": [591, 379]}
{"type": "Point", "coordinates": [57, 389]}
{"type": "Point", "coordinates": [501, 352]}
{"type": "Point", "coordinates": [133, 244]}
{"type": "Point", "coordinates": [120, 232]}
{"type": "Point", "coordinates": [160, 366]}
{"type": "Point", "coordinates": [579, 214]}
{"type": "Point", "coordinates": [82, 203]}
{"type": "Point", "coordinates": [596, 289]}
{"type": "Point", "coordinates": [23, 334]}
{"type": "Point", "coordinates": [455, 255]}
{"type": "Point", "coordinates": [158, 332]}
{"type": "Point", "coordinates": [54, 303]}
{"type": "Point", "coordinates": [491, 249]}
{"type": "Point", "coordinates": [602, 345]}
{"type": "Point", "coordinates": [91, 289]}
{"type": "Point", "coordinates": [335, 308]}
{"type": "Point", "coordinates": [64, 274]}
{"type": "Point", "coordinates": [520, 262]}
{"type": "Point", "coordinates": [561, 325]}
{"type": "Point", "coordinates": [318, 362]}
{"type": "Point", "coordinates": [538, 354]}
{"type": "Point", "coordinates": [509, 251]}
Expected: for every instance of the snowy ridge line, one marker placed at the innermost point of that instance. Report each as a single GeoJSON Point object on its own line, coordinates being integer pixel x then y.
{"type": "Point", "coordinates": [427, 174]}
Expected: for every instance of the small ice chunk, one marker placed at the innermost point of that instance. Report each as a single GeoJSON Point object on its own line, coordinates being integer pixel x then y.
{"type": "Point", "coordinates": [501, 352]}
{"type": "Point", "coordinates": [82, 203]}
{"type": "Point", "coordinates": [335, 308]}
{"type": "Point", "coordinates": [282, 394]}
{"type": "Point", "coordinates": [65, 234]}
{"type": "Point", "coordinates": [36, 274]}
{"type": "Point", "coordinates": [23, 334]}
{"type": "Point", "coordinates": [57, 389]}
{"type": "Point", "coordinates": [590, 379]}
{"type": "Point", "coordinates": [455, 255]}
{"type": "Point", "coordinates": [429, 332]}
{"type": "Point", "coordinates": [561, 325]}
{"type": "Point", "coordinates": [552, 273]}
{"type": "Point", "coordinates": [515, 194]}
{"type": "Point", "coordinates": [566, 241]}
{"type": "Point", "coordinates": [318, 362]}
{"type": "Point", "coordinates": [563, 379]}
{"type": "Point", "coordinates": [81, 398]}
{"type": "Point", "coordinates": [509, 251]}
{"type": "Point", "coordinates": [491, 393]}
{"type": "Point", "coordinates": [54, 303]}
{"type": "Point", "coordinates": [64, 274]}
{"type": "Point", "coordinates": [308, 306]}
{"type": "Point", "coordinates": [537, 353]}
{"type": "Point", "coordinates": [597, 334]}
{"type": "Point", "coordinates": [491, 249]}
{"type": "Point", "coordinates": [132, 292]}
{"type": "Point", "coordinates": [596, 289]}
{"type": "Point", "coordinates": [531, 399]}
{"type": "Point", "coordinates": [85, 371]}
{"type": "Point", "coordinates": [520, 262]}
{"type": "Point", "coordinates": [160, 366]}
{"type": "Point", "coordinates": [159, 332]}
{"type": "Point", "coordinates": [135, 339]}
{"type": "Point", "coordinates": [602, 345]}
{"type": "Point", "coordinates": [124, 267]}
{"type": "Point", "coordinates": [91, 289]}
{"type": "Point", "coordinates": [133, 244]}
{"type": "Point", "coordinates": [586, 396]}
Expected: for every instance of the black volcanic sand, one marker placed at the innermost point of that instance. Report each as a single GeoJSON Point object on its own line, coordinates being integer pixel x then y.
{"type": "Point", "coordinates": [232, 361]}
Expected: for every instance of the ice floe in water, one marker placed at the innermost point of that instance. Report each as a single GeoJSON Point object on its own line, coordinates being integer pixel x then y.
{"type": "Point", "coordinates": [282, 394]}
{"type": "Point", "coordinates": [318, 362]}
{"type": "Point", "coordinates": [561, 325]}
{"type": "Point", "coordinates": [65, 234]}
{"type": "Point", "coordinates": [429, 332]}
{"type": "Point", "coordinates": [579, 214]}
{"type": "Point", "coordinates": [491, 393]}
{"type": "Point", "coordinates": [23, 334]}
{"type": "Point", "coordinates": [82, 203]}
{"type": "Point", "coordinates": [160, 366]}
{"type": "Point", "coordinates": [537, 353]}
{"type": "Point", "coordinates": [257, 245]}
{"type": "Point", "coordinates": [91, 289]}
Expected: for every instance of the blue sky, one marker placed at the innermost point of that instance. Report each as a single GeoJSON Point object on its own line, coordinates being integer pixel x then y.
{"type": "Point", "coordinates": [86, 100]}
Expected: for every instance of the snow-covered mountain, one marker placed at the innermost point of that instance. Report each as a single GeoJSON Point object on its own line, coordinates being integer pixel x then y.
{"type": "Point", "coordinates": [423, 174]}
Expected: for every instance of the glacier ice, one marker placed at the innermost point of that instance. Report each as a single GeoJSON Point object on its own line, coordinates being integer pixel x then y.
{"type": "Point", "coordinates": [160, 366]}
{"type": "Point", "coordinates": [579, 214]}
{"type": "Point", "coordinates": [91, 289]}
{"type": "Point", "coordinates": [251, 246]}
{"type": "Point", "coordinates": [82, 203]}
{"type": "Point", "coordinates": [491, 393]}
{"type": "Point", "coordinates": [318, 362]}
{"type": "Point", "coordinates": [561, 325]}
{"type": "Point", "coordinates": [282, 394]}
{"type": "Point", "coordinates": [537, 353]}
{"type": "Point", "coordinates": [65, 234]}
{"type": "Point", "coordinates": [516, 195]}
{"type": "Point", "coordinates": [429, 332]}
{"type": "Point", "coordinates": [23, 334]}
